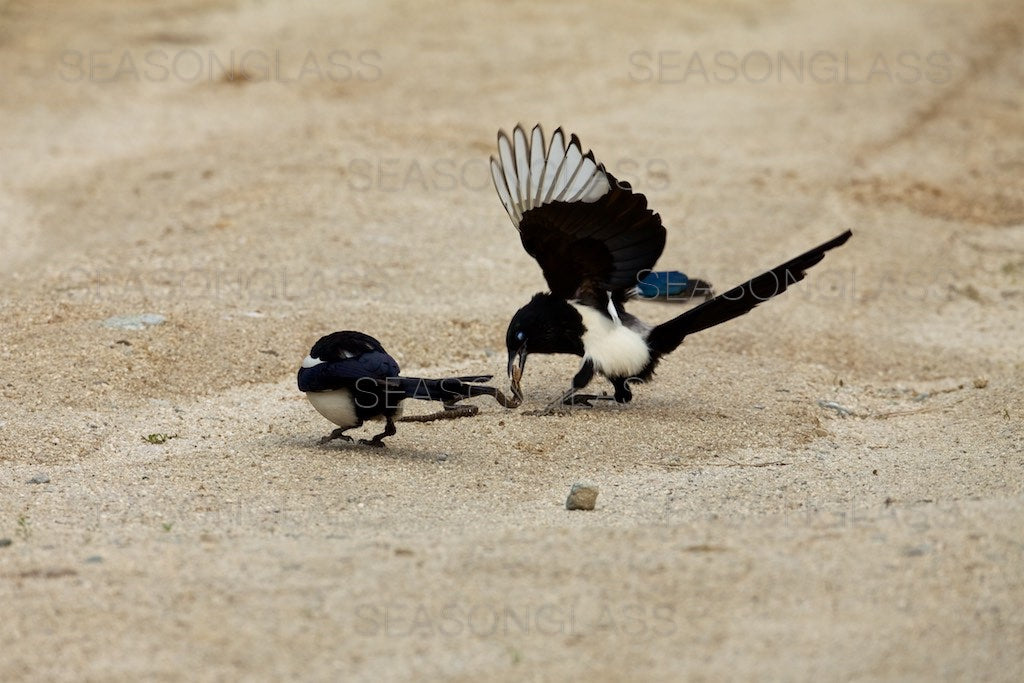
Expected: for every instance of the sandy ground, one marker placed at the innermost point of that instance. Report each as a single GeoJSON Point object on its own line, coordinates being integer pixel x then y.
{"type": "Point", "coordinates": [335, 177]}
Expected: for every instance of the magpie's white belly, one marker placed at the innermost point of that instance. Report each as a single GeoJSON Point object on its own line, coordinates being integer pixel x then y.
{"type": "Point", "coordinates": [338, 407]}
{"type": "Point", "coordinates": [617, 351]}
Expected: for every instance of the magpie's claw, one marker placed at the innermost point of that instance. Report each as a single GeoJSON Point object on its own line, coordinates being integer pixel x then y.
{"type": "Point", "coordinates": [336, 434]}
{"type": "Point", "coordinates": [586, 399]}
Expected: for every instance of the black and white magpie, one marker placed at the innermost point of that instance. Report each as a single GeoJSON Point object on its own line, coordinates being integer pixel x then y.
{"type": "Point", "coordinates": [350, 378]}
{"type": "Point", "coordinates": [594, 239]}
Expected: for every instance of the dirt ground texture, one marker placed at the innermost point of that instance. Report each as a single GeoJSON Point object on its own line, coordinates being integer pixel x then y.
{"type": "Point", "coordinates": [829, 487]}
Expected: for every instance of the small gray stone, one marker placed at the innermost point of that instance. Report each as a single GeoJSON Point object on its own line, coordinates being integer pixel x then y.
{"type": "Point", "coordinates": [134, 322]}
{"type": "Point", "coordinates": [441, 457]}
{"type": "Point", "coordinates": [4, 542]}
{"type": "Point", "coordinates": [94, 559]}
{"type": "Point", "coordinates": [39, 479]}
{"type": "Point", "coordinates": [917, 551]}
{"type": "Point", "coordinates": [582, 496]}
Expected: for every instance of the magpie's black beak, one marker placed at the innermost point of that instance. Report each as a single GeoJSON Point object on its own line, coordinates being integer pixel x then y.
{"type": "Point", "coordinates": [516, 363]}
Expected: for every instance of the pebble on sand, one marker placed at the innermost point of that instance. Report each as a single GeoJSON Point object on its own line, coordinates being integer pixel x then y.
{"type": "Point", "coordinates": [134, 322]}
{"type": "Point", "coordinates": [582, 496]}
{"type": "Point", "coordinates": [39, 479]}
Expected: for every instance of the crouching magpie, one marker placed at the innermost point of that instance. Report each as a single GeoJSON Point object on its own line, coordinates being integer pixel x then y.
{"type": "Point", "coordinates": [349, 378]}
{"type": "Point", "coordinates": [595, 239]}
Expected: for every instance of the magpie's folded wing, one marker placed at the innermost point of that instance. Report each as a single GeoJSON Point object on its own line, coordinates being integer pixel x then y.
{"type": "Point", "coordinates": [589, 232]}
{"type": "Point", "coordinates": [346, 372]}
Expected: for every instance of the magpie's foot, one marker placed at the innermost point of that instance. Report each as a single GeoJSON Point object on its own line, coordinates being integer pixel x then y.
{"type": "Point", "coordinates": [336, 434]}
{"type": "Point", "coordinates": [372, 443]}
{"type": "Point", "coordinates": [564, 406]}
{"type": "Point", "coordinates": [586, 399]}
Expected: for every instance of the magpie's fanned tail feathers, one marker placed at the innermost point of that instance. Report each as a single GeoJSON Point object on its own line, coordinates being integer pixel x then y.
{"type": "Point", "coordinates": [447, 390]}
{"type": "Point", "coordinates": [731, 304]}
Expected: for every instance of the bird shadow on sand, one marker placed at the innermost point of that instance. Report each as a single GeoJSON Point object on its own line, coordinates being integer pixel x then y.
{"type": "Point", "coordinates": [316, 448]}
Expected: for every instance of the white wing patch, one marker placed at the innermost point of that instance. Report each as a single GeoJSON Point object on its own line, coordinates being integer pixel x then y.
{"type": "Point", "coordinates": [537, 161]}
{"type": "Point", "coordinates": [527, 176]}
{"type": "Point", "coordinates": [506, 170]}
{"type": "Point", "coordinates": [310, 362]}
{"type": "Point", "coordinates": [553, 165]}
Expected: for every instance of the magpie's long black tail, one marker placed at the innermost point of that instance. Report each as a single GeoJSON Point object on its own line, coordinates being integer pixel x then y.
{"type": "Point", "coordinates": [666, 337]}
{"type": "Point", "coordinates": [447, 390]}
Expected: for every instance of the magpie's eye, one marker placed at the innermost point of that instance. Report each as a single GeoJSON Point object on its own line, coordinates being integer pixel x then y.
{"type": "Point", "coordinates": [520, 336]}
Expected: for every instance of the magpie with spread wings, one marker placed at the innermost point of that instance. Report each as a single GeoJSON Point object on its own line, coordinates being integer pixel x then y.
{"type": "Point", "coordinates": [350, 378]}
{"type": "Point", "coordinates": [594, 239]}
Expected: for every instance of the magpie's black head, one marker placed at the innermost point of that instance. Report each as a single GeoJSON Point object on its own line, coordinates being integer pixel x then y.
{"type": "Point", "coordinates": [548, 324]}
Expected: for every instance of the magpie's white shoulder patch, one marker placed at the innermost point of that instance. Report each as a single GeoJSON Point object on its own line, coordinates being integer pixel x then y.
{"type": "Point", "coordinates": [527, 176]}
{"type": "Point", "coordinates": [310, 362]}
{"type": "Point", "coordinates": [611, 310]}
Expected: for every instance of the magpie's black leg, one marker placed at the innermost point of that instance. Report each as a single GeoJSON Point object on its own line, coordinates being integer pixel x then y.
{"type": "Point", "coordinates": [579, 381]}
{"type": "Point", "coordinates": [623, 394]}
{"type": "Point", "coordinates": [572, 398]}
{"type": "Point", "coordinates": [377, 441]}
{"type": "Point", "coordinates": [566, 399]}
{"type": "Point", "coordinates": [584, 375]}
{"type": "Point", "coordinates": [339, 433]}
{"type": "Point", "coordinates": [556, 406]}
